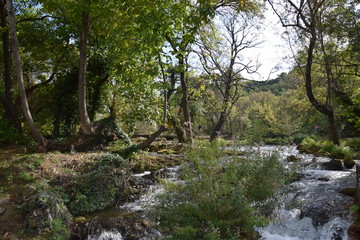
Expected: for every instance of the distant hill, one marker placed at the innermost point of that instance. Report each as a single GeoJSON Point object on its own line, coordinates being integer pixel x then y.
{"type": "Point", "coordinates": [277, 86]}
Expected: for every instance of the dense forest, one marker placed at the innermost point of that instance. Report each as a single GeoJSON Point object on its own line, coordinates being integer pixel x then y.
{"type": "Point", "coordinates": [96, 85]}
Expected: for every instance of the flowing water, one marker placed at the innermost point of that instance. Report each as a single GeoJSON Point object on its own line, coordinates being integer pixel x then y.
{"type": "Point", "coordinates": [129, 220]}
{"type": "Point", "coordinates": [311, 209]}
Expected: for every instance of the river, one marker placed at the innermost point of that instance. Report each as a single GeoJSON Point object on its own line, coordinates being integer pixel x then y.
{"type": "Point", "coordinates": [312, 208]}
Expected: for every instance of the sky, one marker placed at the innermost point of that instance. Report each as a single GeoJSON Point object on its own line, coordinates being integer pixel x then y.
{"type": "Point", "coordinates": [273, 53]}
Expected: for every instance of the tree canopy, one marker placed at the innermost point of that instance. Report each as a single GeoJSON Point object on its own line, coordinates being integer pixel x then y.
{"type": "Point", "coordinates": [148, 65]}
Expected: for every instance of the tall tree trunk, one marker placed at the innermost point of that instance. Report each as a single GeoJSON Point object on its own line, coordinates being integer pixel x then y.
{"type": "Point", "coordinates": [333, 130]}
{"type": "Point", "coordinates": [309, 91]}
{"type": "Point", "coordinates": [223, 115]}
{"type": "Point", "coordinates": [9, 105]}
{"type": "Point", "coordinates": [180, 134]}
{"type": "Point", "coordinates": [185, 101]}
{"type": "Point", "coordinates": [19, 75]}
{"type": "Point", "coordinates": [219, 125]}
{"type": "Point", "coordinates": [84, 117]}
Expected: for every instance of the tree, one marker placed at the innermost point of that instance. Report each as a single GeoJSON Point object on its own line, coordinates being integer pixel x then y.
{"type": "Point", "coordinates": [222, 60]}
{"type": "Point", "coordinates": [186, 17]}
{"type": "Point", "coordinates": [85, 25]}
{"type": "Point", "coordinates": [7, 99]}
{"type": "Point", "coordinates": [19, 75]}
{"type": "Point", "coordinates": [307, 17]}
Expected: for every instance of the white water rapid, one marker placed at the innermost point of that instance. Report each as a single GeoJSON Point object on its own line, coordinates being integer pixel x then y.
{"type": "Point", "coordinates": [313, 208]}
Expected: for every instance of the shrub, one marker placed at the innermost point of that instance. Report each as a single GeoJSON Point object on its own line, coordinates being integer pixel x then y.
{"type": "Point", "coordinates": [99, 188]}
{"type": "Point", "coordinates": [353, 143]}
{"type": "Point", "coordinates": [326, 148]}
{"type": "Point", "coordinates": [47, 215]}
{"type": "Point", "coordinates": [334, 151]}
{"type": "Point", "coordinates": [8, 134]}
{"type": "Point", "coordinates": [309, 145]}
{"type": "Point", "coordinates": [222, 198]}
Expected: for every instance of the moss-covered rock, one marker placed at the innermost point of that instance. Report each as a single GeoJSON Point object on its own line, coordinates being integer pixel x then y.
{"type": "Point", "coordinates": [293, 158]}
{"type": "Point", "coordinates": [349, 163]}
{"type": "Point", "coordinates": [101, 186]}
{"type": "Point", "coordinates": [47, 215]}
{"type": "Point", "coordinates": [334, 164]}
{"type": "Point", "coordinates": [348, 191]}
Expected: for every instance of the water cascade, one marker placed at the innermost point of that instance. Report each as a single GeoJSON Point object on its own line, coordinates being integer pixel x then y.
{"type": "Point", "coordinates": [311, 209]}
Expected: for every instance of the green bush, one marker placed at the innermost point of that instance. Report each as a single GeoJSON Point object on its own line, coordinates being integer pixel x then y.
{"type": "Point", "coordinates": [334, 151]}
{"type": "Point", "coordinates": [309, 145]}
{"type": "Point", "coordinates": [222, 198]}
{"type": "Point", "coordinates": [326, 148]}
{"type": "Point", "coordinates": [8, 134]}
{"type": "Point", "coordinates": [353, 143]}
{"type": "Point", "coordinates": [99, 188]}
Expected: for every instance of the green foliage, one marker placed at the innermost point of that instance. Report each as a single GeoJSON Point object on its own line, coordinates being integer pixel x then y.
{"type": "Point", "coordinates": [52, 219]}
{"type": "Point", "coordinates": [100, 186]}
{"type": "Point", "coordinates": [57, 231]}
{"type": "Point", "coordinates": [335, 151]}
{"type": "Point", "coordinates": [26, 177]}
{"type": "Point", "coordinates": [354, 209]}
{"type": "Point", "coordinates": [222, 197]}
{"type": "Point", "coordinates": [326, 148]}
{"type": "Point", "coordinates": [353, 143]}
{"type": "Point", "coordinates": [309, 145]}
{"type": "Point", "coordinates": [8, 134]}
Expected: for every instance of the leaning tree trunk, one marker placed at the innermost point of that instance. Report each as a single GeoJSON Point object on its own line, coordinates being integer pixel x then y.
{"type": "Point", "coordinates": [151, 139]}
{"type": "Point", "coordinates": [9, 105]}
{"type": "Point", "coordinates": [19, 75]}
{"type": "Point", "coordinates": [185, 102]}
{"type": "Point", "coordinates": [223, 115]}
{"type": "Point", "coordinates": [219, 125]}
{"type": "Point", "coordinates": [308, 84]}
{"type": "Point", "coordinates": [84, 117]}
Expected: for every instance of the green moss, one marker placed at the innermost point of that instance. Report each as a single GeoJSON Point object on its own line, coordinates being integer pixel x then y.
{"type": "Point", "coordinates": [26, 177]}
{"type": "Point", "coordinates": [52, 219]}
{"type": "Point", "coordinates": [349, 163]}
{"type": "Point", "coordinates": [100, 187]}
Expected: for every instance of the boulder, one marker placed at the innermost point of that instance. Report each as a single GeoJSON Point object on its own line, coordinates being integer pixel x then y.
{"type": "Point", "coordinates": [348, 192]}
{"type": "Point", "coordinates": [131, 227]}
{"type": "Point", "coordinates": [349, 163]}
{"type": "Point", "coordinates": [293, 158]}
{"type": "Point", "coordinates": [45, 210]}
{"type": "Point", "coordinates": [322, 210]}
{"type": "Point", "coordinates": [334, 164]}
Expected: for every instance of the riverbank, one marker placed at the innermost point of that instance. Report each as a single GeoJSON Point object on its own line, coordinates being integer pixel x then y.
{"type": "Point", "coordinates": [34, 186]}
